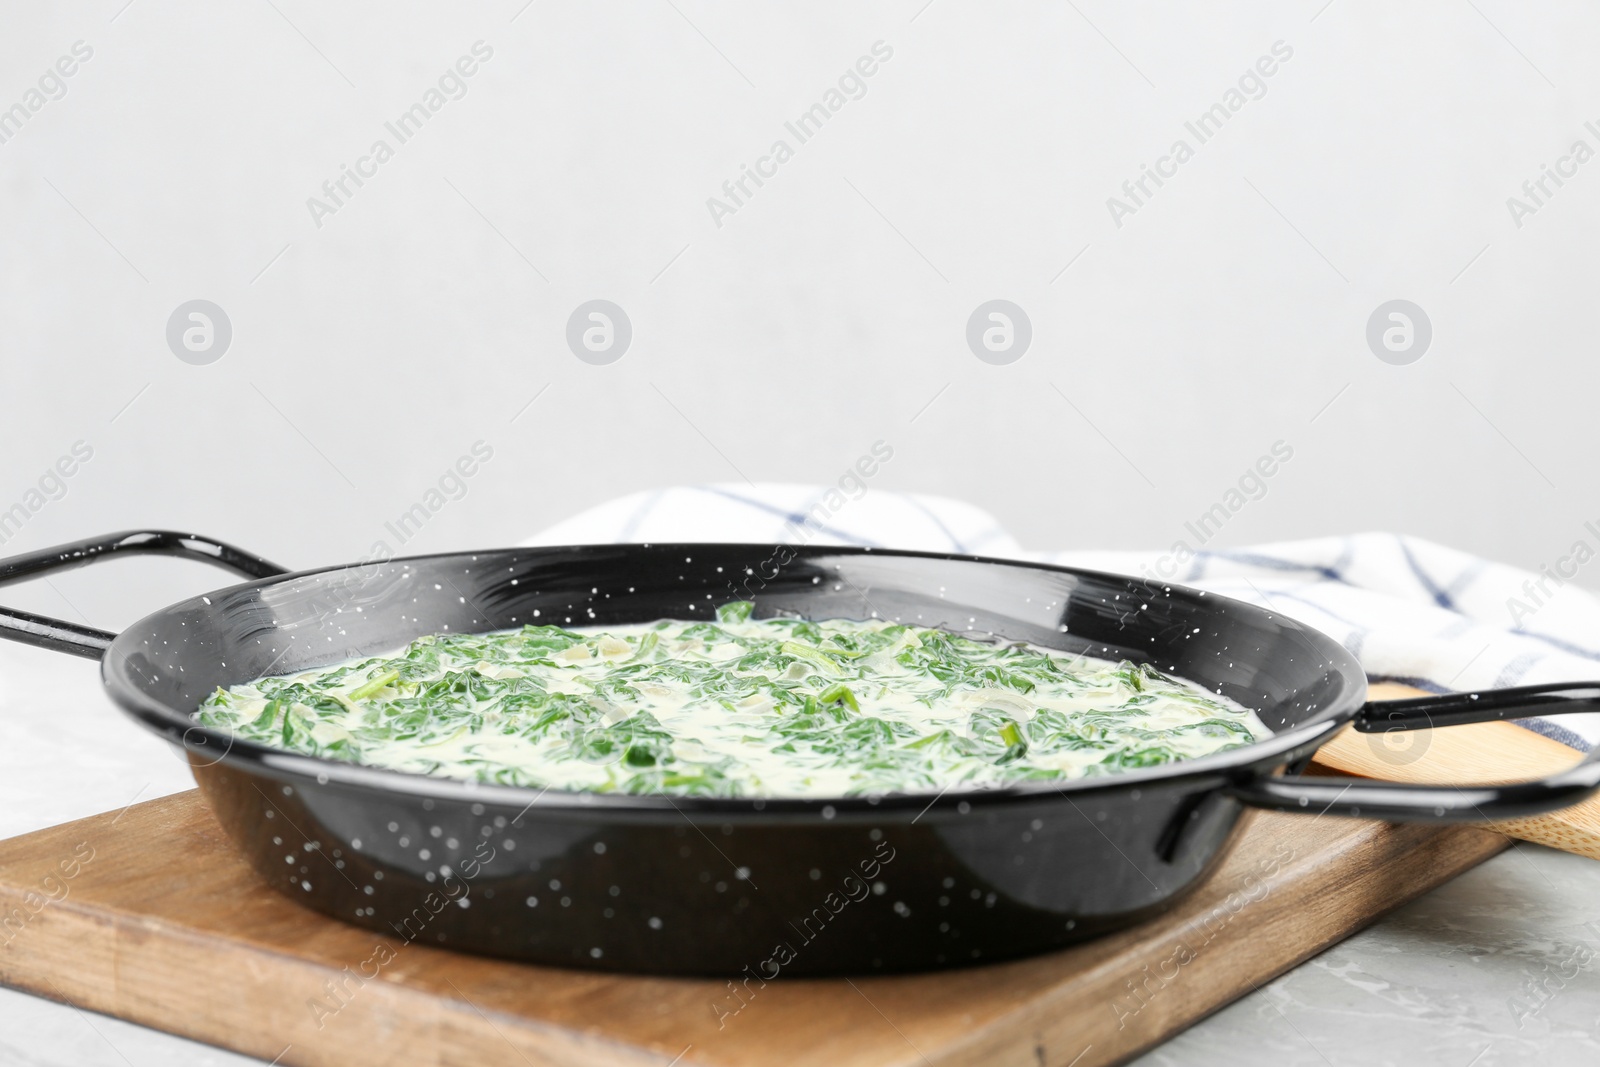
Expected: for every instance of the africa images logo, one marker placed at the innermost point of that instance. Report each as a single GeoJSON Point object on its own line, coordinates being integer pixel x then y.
{"type": "Point", "coordinates": [1251, 85]}
{"type": "Point", "coordinates": [451, 85]}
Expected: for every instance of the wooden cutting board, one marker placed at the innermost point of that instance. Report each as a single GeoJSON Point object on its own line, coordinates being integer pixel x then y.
{"type": "Point", "coordinates": [162, 923]}
{"type": "Point", "coordinates": [167, 926]}
{"type": "Point", "coordinates": [1481, 754]}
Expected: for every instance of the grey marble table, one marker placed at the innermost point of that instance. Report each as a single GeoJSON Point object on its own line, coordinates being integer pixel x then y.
{"type": "Point", "coordinates": [1499, 967]}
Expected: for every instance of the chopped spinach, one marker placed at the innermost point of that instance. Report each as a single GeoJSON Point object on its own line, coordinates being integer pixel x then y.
{"type": "Point", "coordinates": [736, 707]}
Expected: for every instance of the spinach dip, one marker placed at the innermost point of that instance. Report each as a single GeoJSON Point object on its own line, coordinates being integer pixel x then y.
{"type": "Point", "coordinates": [739, 707]}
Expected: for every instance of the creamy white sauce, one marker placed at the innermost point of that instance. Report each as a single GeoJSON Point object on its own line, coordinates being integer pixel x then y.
{"type": "Point", "coordinates": [722, 709]}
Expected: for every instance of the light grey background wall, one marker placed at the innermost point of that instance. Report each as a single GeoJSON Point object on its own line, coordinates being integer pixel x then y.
{"type": "Point", "coordinates": [374, 344]}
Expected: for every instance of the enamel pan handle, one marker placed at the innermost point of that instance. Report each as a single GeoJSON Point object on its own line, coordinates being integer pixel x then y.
{"type": "Point", "coordinates": [1402, 802]}
{"type": "Point", "coordinates": [86, 641]}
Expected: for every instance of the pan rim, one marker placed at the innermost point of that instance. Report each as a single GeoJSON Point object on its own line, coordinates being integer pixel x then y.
{"type": "Point", "coordinates": [203, 743]}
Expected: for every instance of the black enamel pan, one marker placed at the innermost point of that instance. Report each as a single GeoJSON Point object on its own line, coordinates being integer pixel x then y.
{"type": "Point", "coordinates": [728, 886]}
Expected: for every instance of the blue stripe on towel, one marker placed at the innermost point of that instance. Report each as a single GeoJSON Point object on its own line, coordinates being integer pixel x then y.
{"type": "Point", "coordinates": [1272, 563]}
{"type": "Point", "coordinates": [1440, 597]}
{"type": "Point", "coordinates": [800, 519]}
{"type": "Point", "coordinates": [955, 542]}
{"type": "Point", "coordinates": [1554, 732]}
{"type": "Point", "coordinates": [1461, 581]}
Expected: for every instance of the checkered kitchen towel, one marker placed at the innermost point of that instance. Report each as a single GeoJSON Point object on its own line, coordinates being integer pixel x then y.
{"type": "Point", "coordinates": [1410, 610]}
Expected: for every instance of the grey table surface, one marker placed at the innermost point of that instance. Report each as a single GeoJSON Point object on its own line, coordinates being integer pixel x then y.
{"type": "Point", "coordinates": [1499, 966]}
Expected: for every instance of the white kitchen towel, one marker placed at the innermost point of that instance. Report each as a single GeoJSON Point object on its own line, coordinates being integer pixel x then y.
{"type": "Point", "coordinates": [844, 514]}
{"type": "Point", "coordinates": [1409, 610]}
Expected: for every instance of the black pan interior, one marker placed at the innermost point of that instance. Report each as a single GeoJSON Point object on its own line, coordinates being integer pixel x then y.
{"type": "Point", "coordinates": [164, 665]}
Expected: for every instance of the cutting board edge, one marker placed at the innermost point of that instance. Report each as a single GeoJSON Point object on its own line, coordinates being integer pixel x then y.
{"type": "Point", "coordinates": [981, 1049]}
{"type": "Point", "coordinates": [112, 989]}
